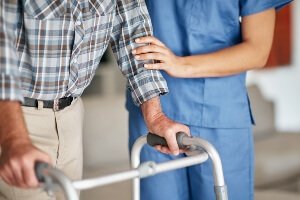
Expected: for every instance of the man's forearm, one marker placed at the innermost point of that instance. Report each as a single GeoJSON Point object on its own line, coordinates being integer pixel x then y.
{"type": "Point", "coordinates": [18, 155]}
{"type": "Point", "coordinates": [12, 126]}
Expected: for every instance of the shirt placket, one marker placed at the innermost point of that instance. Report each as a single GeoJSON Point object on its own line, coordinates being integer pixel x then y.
{"type": "Point", "coordinates": [78, 40]}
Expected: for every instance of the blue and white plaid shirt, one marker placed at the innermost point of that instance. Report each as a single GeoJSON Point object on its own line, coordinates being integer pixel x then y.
{"type": "Point", "coordinates": [50, 49]}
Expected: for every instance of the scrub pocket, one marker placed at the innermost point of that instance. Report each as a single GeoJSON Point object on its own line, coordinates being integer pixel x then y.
{"type": "Point", "coordinates": [215, 18]}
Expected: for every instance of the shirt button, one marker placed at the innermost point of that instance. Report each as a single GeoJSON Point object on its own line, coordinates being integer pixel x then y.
{"type": "Point", "coordinates": [78, 23]}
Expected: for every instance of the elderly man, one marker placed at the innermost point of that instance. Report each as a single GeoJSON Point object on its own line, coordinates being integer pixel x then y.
{"type": "Point", "coordinates": [49, 51]}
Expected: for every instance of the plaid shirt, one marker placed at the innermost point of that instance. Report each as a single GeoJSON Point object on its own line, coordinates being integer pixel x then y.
{"type": "Point", "coordinates": [50, 49]}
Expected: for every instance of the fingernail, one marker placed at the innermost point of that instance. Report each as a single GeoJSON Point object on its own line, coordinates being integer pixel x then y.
{"type": "Point", "coordinates": [176, 153]}
{"type": "Point", "coordinates": [137, 57]}
{"type": "Point", "coordinates": [134, 51]}
{"type": "Point", "coordinates": [137, 40]}
{"type": "Point", "coordinates": [146, 65]}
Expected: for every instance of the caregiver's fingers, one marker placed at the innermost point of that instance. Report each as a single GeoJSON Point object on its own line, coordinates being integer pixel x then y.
{"type": "Point", "coordinates": [151, 56]}
{"type": "Point", "coordinates": [150, 49]}
{"type": "Point", "coordinates": [156, 66]}
{"type": "Point", "coordinates": [149, 39]}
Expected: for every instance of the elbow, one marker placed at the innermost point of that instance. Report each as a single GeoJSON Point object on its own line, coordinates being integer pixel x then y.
{"type": "Point", "coordinates": [262, 61]}
{"type": "Point", "coordinates": [260, 54]}
{"type": "Point", "coordinates": [262, 57]}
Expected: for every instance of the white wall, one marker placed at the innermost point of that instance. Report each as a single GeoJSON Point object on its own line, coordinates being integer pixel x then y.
{"type": "Point", "coordinates": [282, 85]}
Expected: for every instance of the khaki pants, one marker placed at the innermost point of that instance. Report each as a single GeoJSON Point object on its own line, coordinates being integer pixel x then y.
{"type": "Point", "coordinates": [60, 135]}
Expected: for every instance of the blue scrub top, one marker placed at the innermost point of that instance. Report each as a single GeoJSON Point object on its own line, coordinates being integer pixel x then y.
{"type": "Point", "coordinates": [190, 27]}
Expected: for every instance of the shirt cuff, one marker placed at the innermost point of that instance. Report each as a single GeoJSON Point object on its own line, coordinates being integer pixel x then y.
{"type": "Point", "coordinates": [10, 88]}
{"type": "Point", "coordinates": [147, 85]}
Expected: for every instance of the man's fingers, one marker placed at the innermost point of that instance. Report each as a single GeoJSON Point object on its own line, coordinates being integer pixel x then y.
{"type": "Point", "coordinates": [171, 138]}
{"type": "Point", "coordinates": [158, 147]}
{"type": "Point", "coordinates": [8, 176]}
{"type": "Point", "coordinates": [29, 172]}
{"type": "Point", "coordinates": [5, 178]}
{"type": "Point", "coordinates": [163, 149]}
{"type": "Point", "coordinates": [29, 176]}
{"type": "Point", "coordinates": [182, 151]}
{"type": "Point", "coordinates": [166, 150]}
{"type": "Point", "coordinates": [17, 164]}
{"type": "Point", "coordinates": [17, 174]}
{"type": "Point", "coordinates": [43, 157]}
{"type": "Point", "coordinates": [172, 143]}
{"type": "Point", "coordinates": [168, 129]}
{"type": "Point", "coordinates": [186, 130]}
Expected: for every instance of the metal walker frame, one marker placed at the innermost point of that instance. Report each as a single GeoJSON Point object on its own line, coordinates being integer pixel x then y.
{"type": "Point", "coordinates": [53, 178]}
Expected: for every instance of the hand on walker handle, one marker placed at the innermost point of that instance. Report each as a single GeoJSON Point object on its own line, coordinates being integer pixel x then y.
{"type": "Point", "coordinates": [40, 168]}
{"type": "Point", "coordinates": [17, 163]}
{"type": "Point", "coordinates": [166, 128]}
{"type": "Point", "coordinates": [154, 140]}
{"type": "Point", "coordinates": [157, 122]}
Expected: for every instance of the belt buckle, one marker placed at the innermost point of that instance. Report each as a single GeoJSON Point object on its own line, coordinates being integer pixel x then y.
{"type": "Point", "coordinates": [56, 105]}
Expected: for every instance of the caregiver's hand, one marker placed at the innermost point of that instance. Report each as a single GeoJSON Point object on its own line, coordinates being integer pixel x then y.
{"type": "Point", "coordinates": [156, 50]}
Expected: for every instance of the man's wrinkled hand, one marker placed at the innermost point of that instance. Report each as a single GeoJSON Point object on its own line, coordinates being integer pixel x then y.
{"type": "Point", "coordinates": [17, 163]}
{"type": "Point", "coordinates": [167, 128]}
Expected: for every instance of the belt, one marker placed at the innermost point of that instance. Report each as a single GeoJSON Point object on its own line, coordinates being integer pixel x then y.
{"type": "Point", "coordinates": [56, 105]}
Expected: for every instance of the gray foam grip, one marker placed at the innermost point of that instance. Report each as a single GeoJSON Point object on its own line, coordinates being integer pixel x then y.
{"type": "Point", "coordinates": [154, 140]}
{"type": "Point", "coordinates": [39, 168]}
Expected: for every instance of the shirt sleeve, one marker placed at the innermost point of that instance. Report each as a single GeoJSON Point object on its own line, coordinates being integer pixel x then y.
{"type": "Point", "coordinates": [249, 7]}
{"type": "Point", "coordinates": [133, 21]}
{"type": "Point", "coordinates": [9, 72]}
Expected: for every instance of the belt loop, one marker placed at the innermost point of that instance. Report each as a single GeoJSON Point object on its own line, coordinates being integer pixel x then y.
{"type": "Point", "coordinates": [56, 105]}
{"type": "Point", "coordinates": [40, 105]}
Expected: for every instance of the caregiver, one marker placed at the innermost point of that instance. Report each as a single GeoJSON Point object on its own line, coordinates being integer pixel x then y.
{"type": "Point", "coordinates": [205, 47]}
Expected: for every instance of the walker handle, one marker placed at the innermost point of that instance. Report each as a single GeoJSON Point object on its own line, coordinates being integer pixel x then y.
{"type": "Point", "coordinates": [53, 178]}
{"type": "Point", "coordinates": [40, 168]}
{"type": "Point", "coordinates": [153, 140]}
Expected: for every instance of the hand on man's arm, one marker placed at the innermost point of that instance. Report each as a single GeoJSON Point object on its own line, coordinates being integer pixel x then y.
{"type": "Point", "coordinates": [18, 155]}
{"type": "Point", "coordinates": [158, 123]}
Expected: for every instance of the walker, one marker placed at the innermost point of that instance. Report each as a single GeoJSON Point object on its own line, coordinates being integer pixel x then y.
{"type": "Point", "coordinates": [199, 151]}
